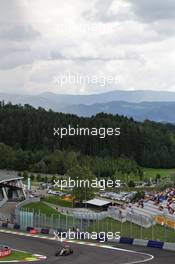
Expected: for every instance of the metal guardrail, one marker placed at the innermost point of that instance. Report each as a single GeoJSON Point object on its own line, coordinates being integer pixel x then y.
{"type": "Point", "coordinates": [140, 220]}
{"type": "Point", "coordinates": [2, 202]}
{"type": "Point", "coordinates": [123, 216]}
{"type": "Point", "coordinates": [90, 216]}
{"type": "Point", "coordinates": [79, 213]}
{"type": "Point", "coordinates": [136, 218]}
{"type": "Point", "coordinates": [27, 201]}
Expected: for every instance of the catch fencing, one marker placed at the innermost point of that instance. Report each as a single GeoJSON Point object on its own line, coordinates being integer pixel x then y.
{"type": "Point", "coordinates": [97, 222]}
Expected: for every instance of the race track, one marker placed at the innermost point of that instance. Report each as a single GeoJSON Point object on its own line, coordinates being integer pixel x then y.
{"type": "Point", "coordinates": [87, 254]}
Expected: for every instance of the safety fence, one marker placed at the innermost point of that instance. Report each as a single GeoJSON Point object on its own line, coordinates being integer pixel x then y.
{"type": "Point", "coordinates": [91, 223]}
{"type": "Point", "coordinates": [112, 212]}
{"type": "Point", "coordinates": [131, 216]}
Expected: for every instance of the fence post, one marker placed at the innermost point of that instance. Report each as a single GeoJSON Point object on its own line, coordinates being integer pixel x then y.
{"type": "Point", "coordinates": [39, 218]}
{"type": "Point", "coordinates": [102, 225]}
{"type": "Point", "coordinates": [121, 228]}
{"type": "Point", "coordinates": [152, 232]}
{"type": "Point", "coordinates": [51, 224]}
{"type": "Point", "coordinates": [98, 224]}
{"type": "Point", "coordinates": [81, 224]}
{"type": "Point", "coordinates": [107, 226]}
{"type": "Point", "coordinates": [59, 219]}
{"type": "Point", "coordinates": [141, 233]}
{"type": "Point", "coordinates": [131, 225]}
{"type": "Point", "coordinates": [73, 221]}
{"type": "Point", "coordinates": [66, 221]}
{"type": "Point", "coordinates": [165, 233]}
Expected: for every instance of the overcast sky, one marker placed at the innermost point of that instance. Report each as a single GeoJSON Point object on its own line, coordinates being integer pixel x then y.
{"type": "Point", "coordinates": [41, 41]}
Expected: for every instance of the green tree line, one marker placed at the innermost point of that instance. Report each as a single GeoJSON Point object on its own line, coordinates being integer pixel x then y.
{"type": "Point", "coordinates": [63, 162]}
{"type": "Point", "coordinates": [28, 137]}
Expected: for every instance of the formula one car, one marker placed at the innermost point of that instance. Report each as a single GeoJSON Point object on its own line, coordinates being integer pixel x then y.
{"type": "Point", "coordinates": [64, 251]}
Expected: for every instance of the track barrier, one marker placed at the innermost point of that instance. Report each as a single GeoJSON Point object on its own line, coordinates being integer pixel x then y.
{"type": "Point", "coordinates": [123, 240]}
{"type": "Point", "coordinates": [140, 242]}
{"type": "Point", "coordinates": [155, 244]}
{"type": "Point", "coordinates": [126, 240]}
{"type": "Point", "coordinates": [169, 246]}
{"type": "Point", "coordinates": [16, 226]}
{"type": "Point", "coordinates": [45, 231]}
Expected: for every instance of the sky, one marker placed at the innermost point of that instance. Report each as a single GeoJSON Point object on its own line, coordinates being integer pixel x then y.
{"type": "Point", "coordinates": [86, 47]}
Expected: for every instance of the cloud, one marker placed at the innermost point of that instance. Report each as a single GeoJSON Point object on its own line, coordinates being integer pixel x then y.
{"type": "Point", "coordinates": [121, 56]}
{"type": "Point", "coordinates": [151, 11]}
{"type": "Point", "coordinates": [132, 40]}
{"type": "Point", "coordinates": [19, 33]}
{"type": "Point", "coordinates": [108, 11]}
{"type": "Point", "coordinates": [16, 59]}
{"type": "Point", "coordinates": [17, 36]}
{"type": "Point", "coordinates": [10, 13]}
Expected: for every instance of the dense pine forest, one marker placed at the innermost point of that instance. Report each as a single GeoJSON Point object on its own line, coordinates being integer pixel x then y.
{"type": "Point", "coordinates": [27, 142]}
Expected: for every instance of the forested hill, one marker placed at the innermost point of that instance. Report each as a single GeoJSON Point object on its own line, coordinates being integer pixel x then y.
{"type": "Point", "coordinates": [150, 144]}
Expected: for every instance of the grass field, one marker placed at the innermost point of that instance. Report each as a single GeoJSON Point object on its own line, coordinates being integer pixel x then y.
{"type": "Point", "coordinates": [43, 208]}
{"type": "Point", "coordinates": [57, 201]}
{"type": "Point", "coordinates": [16, 255]}
{"type": "Point", "coordinates": [151, 173]}
{"type": "Point", "coordinates": [127, 229]}
{"type": "Point", "coordinates": [52, 216]}
{"type": "Point", "coordinates": [40, 207]}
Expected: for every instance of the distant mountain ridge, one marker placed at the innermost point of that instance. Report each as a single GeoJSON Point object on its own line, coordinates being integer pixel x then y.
{"type": "Point", "coordinates": [154, 105]}
{"type": "Point", "coordinates": [136, 96]}
{"type": "Point", "coordinates": [50, 99]}
{"type": "Point", "coordinates": [156, 111]}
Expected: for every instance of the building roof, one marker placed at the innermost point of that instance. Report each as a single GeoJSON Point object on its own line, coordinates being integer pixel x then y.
{"type": "Point", "coordinates": [98, 202]}
{"type": "Point", "coordinates": [6, 176]}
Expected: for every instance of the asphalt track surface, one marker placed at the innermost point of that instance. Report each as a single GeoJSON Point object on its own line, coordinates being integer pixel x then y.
{"type": "Point", "coordinates": [84, 254]}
